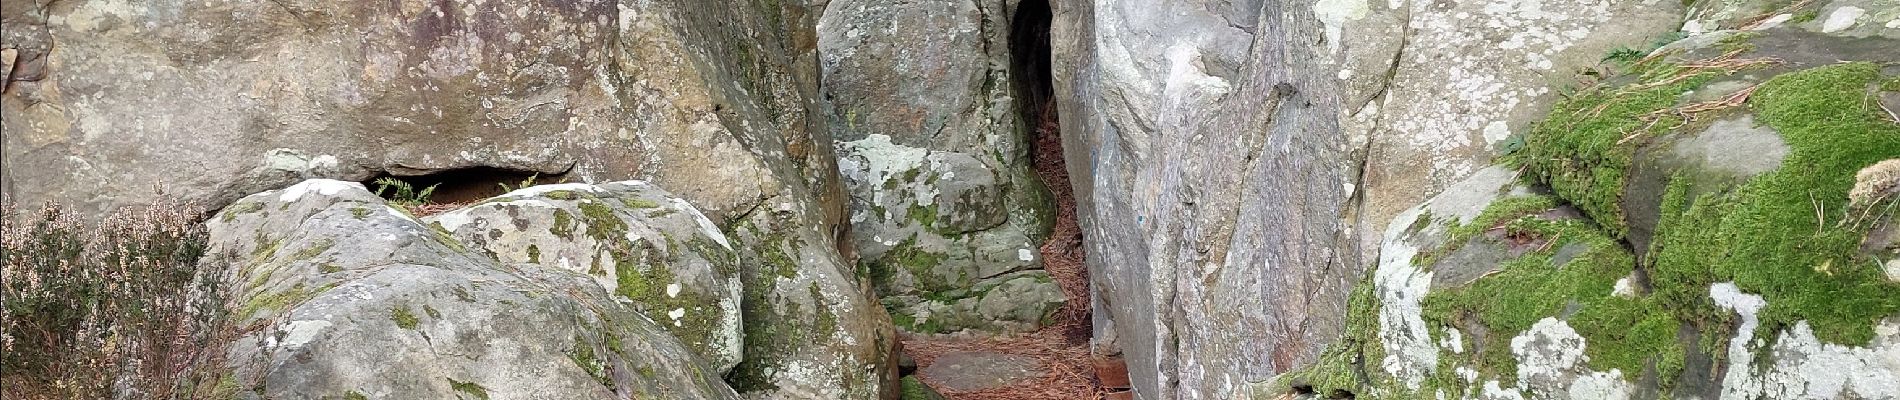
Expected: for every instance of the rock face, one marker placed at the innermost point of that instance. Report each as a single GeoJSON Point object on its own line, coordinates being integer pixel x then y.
{"type": "Point", "coordinates": [715, 105]}
{"type": "Point", "coordinates": [924, 101]}
{"type": "Point", "coordinates": [1215, 207]}
{"type": "Point", "coordinates": [1434, 90]}
{"type": "Point", "coordinates": [635, 240]}
{"type": "Point", "coordinates": [1695, 227]}
{"type": "Point", "coordinates": [343, 296]}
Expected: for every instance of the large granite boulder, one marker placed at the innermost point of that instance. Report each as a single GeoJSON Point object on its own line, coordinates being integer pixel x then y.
{"type": "Point", "coordinates": [1434, 90]}
{"type": "Point", "coordinates": [1215, 203]}
{"type": "Point", "coordinates": [338, 295]}
{"type": "Point", "coordinates": [636, 241]}
{"type": "Point", "coordinates": [926, 102]}
{"type": "Point", "coordinates": [1697, 227]}
{"type": "Point", "coordinates": [216, 100]}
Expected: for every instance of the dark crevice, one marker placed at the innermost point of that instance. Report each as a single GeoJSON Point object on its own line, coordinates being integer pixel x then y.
{"type": "Point", "coordinates": [1030, 67]}
{"type": "Point", "coordinates": [1030, 63]}
{"type": "Point", "coordinates": [464, 185]}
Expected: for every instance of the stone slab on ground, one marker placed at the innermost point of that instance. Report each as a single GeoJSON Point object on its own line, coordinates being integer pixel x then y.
{"type": "Point", "coordinates": [972, 371]}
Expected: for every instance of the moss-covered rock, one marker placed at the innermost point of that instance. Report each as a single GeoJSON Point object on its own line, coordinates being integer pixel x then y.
{"type": "Point", "coordinates": [1698, 211]}
{"type": "Point", "coordinates": [342, 301]}
{"type": "Point", "coordinates": [927, 223]}
{"type": "Point", "coordinates": [677, 268]}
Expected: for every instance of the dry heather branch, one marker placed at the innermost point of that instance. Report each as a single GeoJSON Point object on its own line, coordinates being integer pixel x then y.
{"type": "Point", "coordinates": [1875, 183]}
{"type": "Point", "coordinates": [116, 309]}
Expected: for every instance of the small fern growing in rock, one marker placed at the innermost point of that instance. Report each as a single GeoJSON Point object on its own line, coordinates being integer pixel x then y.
{"type": "Point", "coordinates": [405, 195]}
{"type": "Point", "coordinates": [524, 184]}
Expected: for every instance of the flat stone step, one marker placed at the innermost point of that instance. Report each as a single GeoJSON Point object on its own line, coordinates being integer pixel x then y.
{"type": "Point", "coordinates": [971, 371]}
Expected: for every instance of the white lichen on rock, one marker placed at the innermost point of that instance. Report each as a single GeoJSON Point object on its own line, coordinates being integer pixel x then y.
{"type": "Point", "coordinates": [1551, 361]}
{"type": "Point", "coordinates": [1799, 365]}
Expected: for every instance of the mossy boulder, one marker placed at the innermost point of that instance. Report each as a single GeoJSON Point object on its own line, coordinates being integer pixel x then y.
{"type": "Point", "coordinates": [810, 330]}
{"type": "Point", "coordinates": [1684, 230]}
{"type": "Point", "coordinates": [915, 389]}
{"type": "Point", "coordinates": [1016, 302]}
{"type": "Point", "coordinates": [934, 226]}
{"type": "Point", "coordinates": [634, 239]}
{"type": "Point", "coordinates": [341, 295]}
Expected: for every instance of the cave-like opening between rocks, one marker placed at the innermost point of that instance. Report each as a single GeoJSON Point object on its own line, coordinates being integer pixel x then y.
{"type": "Point", "coordinates": [1062, 347]}
{"type": "Point", "coordinates": [458, 185]}
{"type": "Point", "coordinates": [1033, 80]}
{"type": "Point", "coordinates": [1064, 254]}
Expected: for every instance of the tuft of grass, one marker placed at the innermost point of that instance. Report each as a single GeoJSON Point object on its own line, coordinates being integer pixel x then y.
{"type": "Point", "coordinates": [1805, 16]}
{"type": "Point", "coordinates": [1624, 55]}
{"type": "Point", "coordinates": [524, 183]}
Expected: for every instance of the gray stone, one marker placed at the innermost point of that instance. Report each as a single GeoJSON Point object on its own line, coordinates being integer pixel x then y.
{"type": "Point", "coordinates": [636, 241]}
{"type": "Point", "coordinates": [924, 100]}
{"type": "Point", "coordinates": [340, 295]}
{"type": "Point", "coordinates": [1802, 366]}
{"type": "Point", "coordinates": [1018, 302]}
{"type": "Point", "coordinates": [717, 105]}
{"type": "Point", "coordinates": [1212, 182]}
{"type": "Point", "coordinates": [972, 371]}
{"type": "Point", "coordinates": [1437, 87]}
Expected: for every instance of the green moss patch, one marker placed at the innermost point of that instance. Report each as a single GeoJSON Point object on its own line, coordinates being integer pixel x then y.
{"type": "Point", "coordinates": [469, 388]}
{"type": "Point", "coordinates": [1781, 234]}
{"type": "Point", "coordinates": [1534, 287]}
{"type": "Point", "coordinates": [583, 356]}
{"type": "Point", "coordinates": [1342, 367]}
{"type": "Point", "coordinates": [275, 301]}
{"type": "Point", "coordinates": [913, 389]}
{"type": "Point", "coordinates": [917, 261]}
{"type": "Point", "coordinates": [1580, 150]}
{"type": "Point", "coordinates": [563, 226]}
{"type": "Point", "coordinates": [403, 318]}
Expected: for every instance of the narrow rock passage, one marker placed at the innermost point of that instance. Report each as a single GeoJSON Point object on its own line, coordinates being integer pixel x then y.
{"type": "Point", "coordinates": [1060, 348]}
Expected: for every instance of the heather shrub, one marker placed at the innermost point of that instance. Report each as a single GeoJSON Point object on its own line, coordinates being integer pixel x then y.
{"type": "Point", "coordinates": [110, 309]}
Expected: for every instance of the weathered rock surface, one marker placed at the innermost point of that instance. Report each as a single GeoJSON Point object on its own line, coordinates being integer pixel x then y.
{"type": "Point", "coordinates": [1693, 234]}
{"type": "Point", "coordinates": [1215, 203]}
{"type": "Point", "coordinates": [635, 240]}
{"type": "Point", "coordinates": [274, 92]}
{"type": "Point", "coordinates": [973, 371]}
{"type": "Point", "coordinates": [924, 101]}
{"type": "Point", "coordinates": [1434, 90]}
{"type": "Point", "coordinates": [717, 105]}
{"type": "Point", "coordinates": [342, 296]}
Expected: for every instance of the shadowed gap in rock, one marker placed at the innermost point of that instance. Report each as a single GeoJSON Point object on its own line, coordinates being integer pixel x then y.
{"type": "Point", "coordinates": [463, 185]}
